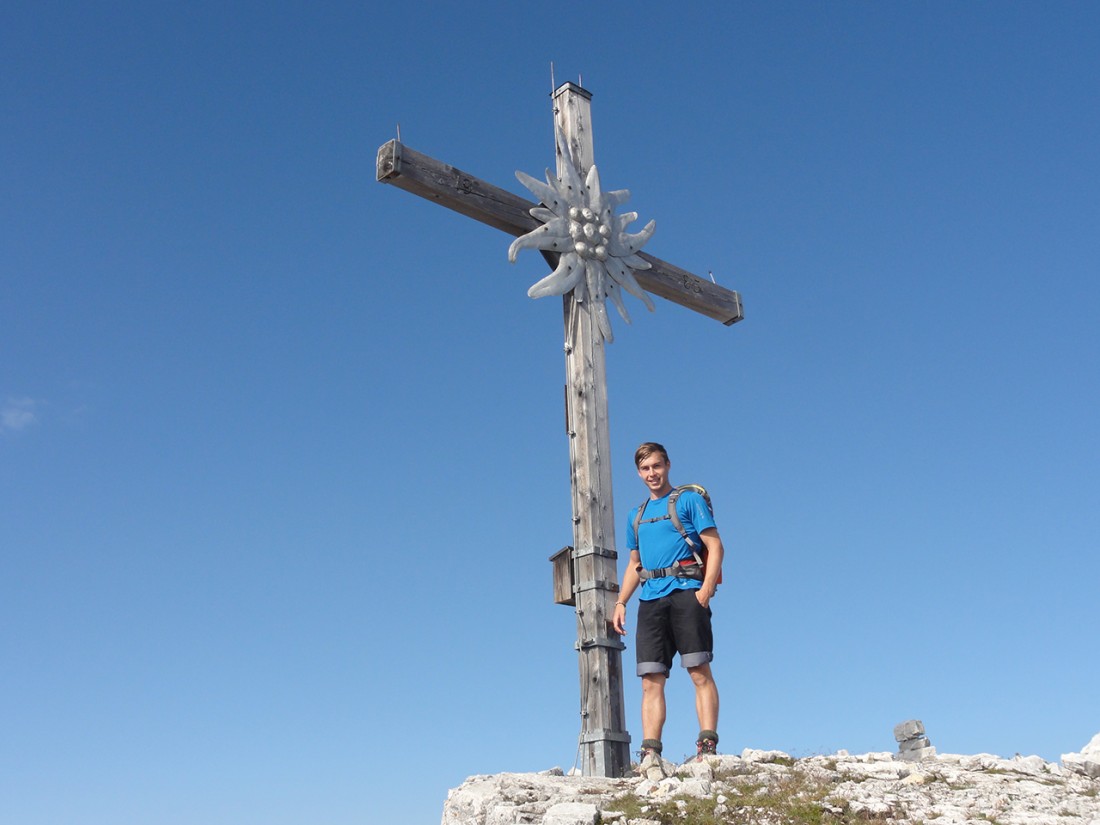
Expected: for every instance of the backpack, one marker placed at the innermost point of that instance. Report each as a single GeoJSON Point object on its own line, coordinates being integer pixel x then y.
{"type": "Point", "coordinates": [686, 568]}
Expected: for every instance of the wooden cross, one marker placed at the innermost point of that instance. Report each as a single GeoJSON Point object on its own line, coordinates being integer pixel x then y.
{"type": "Point", "coordinates": [604, 741]}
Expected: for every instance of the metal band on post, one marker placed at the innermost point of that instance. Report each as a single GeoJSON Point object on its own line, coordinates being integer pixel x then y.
{"type": "Point", "coordinates": [603, 736]}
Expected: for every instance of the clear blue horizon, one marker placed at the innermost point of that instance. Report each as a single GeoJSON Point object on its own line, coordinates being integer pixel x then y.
{"type": "Point", "coordinates": [282, 456]}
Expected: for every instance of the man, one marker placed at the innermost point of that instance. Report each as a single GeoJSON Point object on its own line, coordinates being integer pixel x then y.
{"type": "Point", "coordinates": [674, 606]}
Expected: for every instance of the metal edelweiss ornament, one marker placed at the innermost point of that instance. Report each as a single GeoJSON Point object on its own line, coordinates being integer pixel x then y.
{"type": "Point", "coordinates": [597, 254]}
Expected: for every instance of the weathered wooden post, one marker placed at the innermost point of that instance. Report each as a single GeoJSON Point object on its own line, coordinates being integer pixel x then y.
{"type": "Point", "coordinates": [604, 741]}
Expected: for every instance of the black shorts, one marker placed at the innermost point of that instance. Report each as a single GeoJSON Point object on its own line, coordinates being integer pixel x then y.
{"type": "Point", "coordinates": [672, 624]}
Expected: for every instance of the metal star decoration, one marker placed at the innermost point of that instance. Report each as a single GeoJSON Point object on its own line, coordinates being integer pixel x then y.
{"type": "Point", "coordinates": [597, 254]}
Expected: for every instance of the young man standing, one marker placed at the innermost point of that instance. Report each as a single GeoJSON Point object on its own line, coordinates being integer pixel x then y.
{"type": "Point", "coordinates": [674, 606]}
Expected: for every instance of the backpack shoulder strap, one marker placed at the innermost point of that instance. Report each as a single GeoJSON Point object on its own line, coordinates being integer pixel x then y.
{"type": "Point", "coordinates": [673, 497]}
{"type": "Point", "coordinates": [672, 514]}
{"type": "Point", "coordinates": [638, 520]}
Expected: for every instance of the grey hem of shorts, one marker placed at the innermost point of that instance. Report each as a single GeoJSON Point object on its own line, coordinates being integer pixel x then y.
{"type": "Point", "coordinates": [703, 657]}
{"type": "Point", "coordinates": [686, 660]}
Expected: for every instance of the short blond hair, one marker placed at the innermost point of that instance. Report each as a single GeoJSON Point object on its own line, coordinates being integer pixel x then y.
{"type": "Point", "coordinates": [648, 449]}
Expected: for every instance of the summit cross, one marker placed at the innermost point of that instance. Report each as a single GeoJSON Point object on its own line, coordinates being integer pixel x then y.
{"type": "Point", "coordinates": [604, 741]}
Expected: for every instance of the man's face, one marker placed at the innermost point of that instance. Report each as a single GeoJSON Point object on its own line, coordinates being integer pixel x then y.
{"type": "Point", "coordinates": [653, 471]}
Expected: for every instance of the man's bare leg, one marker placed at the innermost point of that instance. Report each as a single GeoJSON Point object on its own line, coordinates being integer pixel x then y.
{"type": "Point", "coordinates": [706, 697]}
{"type": "Point", "coordinates": [653, 722]}
{"type": "Point", "coordinates": [653, 705]}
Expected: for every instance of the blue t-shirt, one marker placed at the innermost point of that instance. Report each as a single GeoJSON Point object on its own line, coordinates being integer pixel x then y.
{"type": "Point", "coordinates": [662, 546]}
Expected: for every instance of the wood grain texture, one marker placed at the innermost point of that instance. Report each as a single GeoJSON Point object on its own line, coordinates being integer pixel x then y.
{"type": "Point", "coordinates": [604, 741]}
{"type": "Point", "coordinates": [428, 178]}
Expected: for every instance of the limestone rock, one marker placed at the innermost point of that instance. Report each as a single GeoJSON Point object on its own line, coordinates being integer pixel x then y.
{"type": "Point", "coordinates": [699, 788]}
{"type": "Point", "coordinates": [917, 754]}
{"type": "Point", "coordinates": [751, 755]}
{"type": "Point", "coordinates": [1087, 762]}
{"type": "Point", "coordinates": [948, 790]}
{"type": "Point", "coordinates": [915, 743]}
{"type": "Point", "coordinates": [572, 813]}
{"type": "Point", "coordinates": [908, 730]}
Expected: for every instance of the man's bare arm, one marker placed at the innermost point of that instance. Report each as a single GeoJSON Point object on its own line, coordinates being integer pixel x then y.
{"type": "Point", "coordinates": [631, 580]}
{"type": "Point", "coordinates": [715, 553]}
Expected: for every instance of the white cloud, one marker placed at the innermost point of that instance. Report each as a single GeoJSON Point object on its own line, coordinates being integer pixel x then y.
{"type": "Point", "coordinates": [17, 414]}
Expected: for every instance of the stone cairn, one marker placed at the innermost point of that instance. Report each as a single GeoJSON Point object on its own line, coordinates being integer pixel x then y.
{"type": "Point", "coordinates": [913, 745]}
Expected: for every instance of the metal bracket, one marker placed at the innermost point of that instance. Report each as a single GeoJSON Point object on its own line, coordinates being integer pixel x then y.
{"type": "Point", "coordinates": [595, 551]}
{"type": "Point", "coordinates": [588, 644]}
{"type": "Point", "coordinates": [596, 584]}
{"type": "Point", "coordinates": [588, 737]}
{"type": "Point", "coordinates": [388, 162]}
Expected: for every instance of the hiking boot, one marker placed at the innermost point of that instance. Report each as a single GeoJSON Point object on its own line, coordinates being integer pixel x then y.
{"type": "Point", "coordinates": [652, 766]}
{"type": "Point", "coordinates": [706, 745]}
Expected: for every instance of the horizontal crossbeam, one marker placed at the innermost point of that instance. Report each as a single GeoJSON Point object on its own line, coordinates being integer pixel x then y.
{"type": "Point", "coordinates": [429, 178]}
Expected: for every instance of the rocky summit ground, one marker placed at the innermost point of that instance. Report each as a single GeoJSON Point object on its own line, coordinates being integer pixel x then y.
{"type": "Point", "coordinates": [772, 788]}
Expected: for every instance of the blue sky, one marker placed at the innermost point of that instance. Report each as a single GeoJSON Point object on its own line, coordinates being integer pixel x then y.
{"type": "Point", "coordinates": [282, 455]}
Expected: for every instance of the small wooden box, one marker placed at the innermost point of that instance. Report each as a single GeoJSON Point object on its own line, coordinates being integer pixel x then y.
{"type": "Point", "coordinates": [563, 576]}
